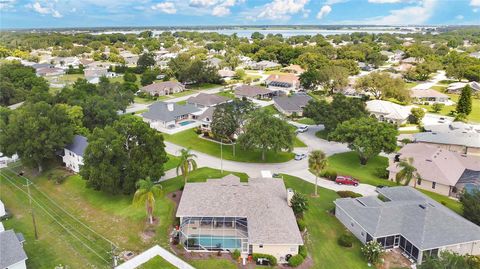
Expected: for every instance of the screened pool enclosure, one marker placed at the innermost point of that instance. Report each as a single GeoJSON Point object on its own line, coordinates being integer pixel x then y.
{"type": "Point", "coordinates": [214, 233]}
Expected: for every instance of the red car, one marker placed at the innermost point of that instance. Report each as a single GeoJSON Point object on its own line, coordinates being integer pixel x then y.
{"type": "Point", "coordinates": [346, 180]}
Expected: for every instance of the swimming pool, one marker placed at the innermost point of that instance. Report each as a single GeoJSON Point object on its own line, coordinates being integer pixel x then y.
{"type": "Point", "coordinates": [209, 241]}
{"type": "Point", "coordinates": [183, 123]}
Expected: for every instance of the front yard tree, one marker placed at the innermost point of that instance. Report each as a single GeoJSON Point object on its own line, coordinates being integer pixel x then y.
{"type": "Point", "coordinates": [310, 79]}
{"type": "Point", "coordinates": [266, 132]}
{"type": "Point", "coordinates": [333, 78]}
{"type": "Point", "coordinates": [367, 136]}
{"type": "Point", "coordinates": [317, 161]}
{"type": "Point", "coordinates": [187, 163]}
{"type": "Point", "coordinates": [407, 172]}
{"type": "Point", "coordinates": [381, 85]}
{"type": "Point", "coordinates": [120, 153]}
{"type": "Point", "coordinates": [416, 115]}
{"type": "Point", "coordinates": [437, 107]}
{"type": "Point", "coordinates": [35, 132]}
{"type": "Point", "coordinates": [471, 206]}
{"type": "Point", "coordinates": [145, 61]}
{"type": "Point", "coordinates": [146, 193]}
{"type": "Point", "coordinates": [464, 104]}
{"type": "Point", "coordinates": [224, 123]}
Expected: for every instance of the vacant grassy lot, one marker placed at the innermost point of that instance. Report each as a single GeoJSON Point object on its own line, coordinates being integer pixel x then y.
{"type": "Point", "coordinates": [189, 138]}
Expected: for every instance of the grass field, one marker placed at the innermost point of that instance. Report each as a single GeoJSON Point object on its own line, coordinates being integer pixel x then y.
{"type": "Point", "coordinates": [189, 138]}
{"type": "Point", "coordinates": [226, 94]}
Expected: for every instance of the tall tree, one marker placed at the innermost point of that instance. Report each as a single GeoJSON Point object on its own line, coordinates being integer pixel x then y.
{"type": "Point", "coordinates": [367, 137]}
{"type": "Point", "coordinates": [146, 193]}
{"type": "Point", "coordinates": [407, 172]}
{"type": "Point", "coordinates": [35, 132]}
{"type": "Point", "coordinates": [333, 78]}
{"type": "Point", "coordinates": [317, 161]}
{"type": "Point", "coordinates": [224, 124]}
{"type": "Point", "coordinates": [145, 61]}
{"type": "Point", "coordinates": [310, 79]}
{"type": "Point", "coordinates": [265, 132]}
{"type": "Point", "coordinates": [471, 205]}
{"type": "Point", "coordinates": [187, 163]}
{"type": "Point", "coordinates": [381, 85]}
{"type": "Point", "coordinates": [464, 104]}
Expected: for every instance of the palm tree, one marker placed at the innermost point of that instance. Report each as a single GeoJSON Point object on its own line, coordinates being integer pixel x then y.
{"type": "Point", "coordinates": [146, 192]}
{"type": "Point", "coordinates": [317, 161]}
{"type": "Point", "coordinates": [187, 163]}
{"type": "Point", "coordinates": [407, 172]}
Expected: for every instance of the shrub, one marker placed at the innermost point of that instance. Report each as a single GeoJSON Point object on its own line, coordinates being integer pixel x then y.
{"type": "Point", "coordinates": [301, 224]}
{"type": "Point", "coordinates": [296, 260]}
{"type": "Point", "coordinates": [236, 254]}
{"type": "Point", "coordinates": [329, 174]}
{"type": "Point", "coordinates": [437, 107]}
{"type": "Point", "coordinates": [272, 260]}
{"type": "Point", "coordinates": [382, 172]}
{"type": "Point", "coordinates": [302, 251]}
{"type": "Point", "coordinates": [372, 251]}
{"type": "Point", "coordinates": [351, 194]}
{"type": "Point", "coordinates": [299, 203]}
{"type": "Point", "coordinates": [345, 240]}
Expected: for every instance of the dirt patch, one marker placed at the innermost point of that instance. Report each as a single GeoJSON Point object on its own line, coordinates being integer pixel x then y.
{"type": "Point", "coordinates": [147, 235]}
{"type": "Point", "coordinates": [394, 259]}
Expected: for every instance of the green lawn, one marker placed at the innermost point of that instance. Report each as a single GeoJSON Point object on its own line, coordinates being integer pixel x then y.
{"type": "Point", "coordinates": [214, 263]}
{"type": "Point", "coordinates": [408, 131]}
{"type": "Point", "coordinates": [189, 138]}
{"type": "Point", "coordinates": [410, 85]}
{"type": "Point", "coordinates": [157, 263]}
{"type": "Point", "coordinates": [141, 100]}
{"type": "Point", "coordinates": [474, 115]}
{"type": "Point", "coordinates": [204, 86]}
{"type": "Point", "coordinates": [171, 163]}
{"type": "Point", "coordinates": [307, 121]}
{"type": "Point", "coordinates": [226, 94]}
{"type": "Point", "coordinates": [322, 134]}
{"type": "Point", "coordinates": [324, 229]}
{"type": "Point", "coordinates": [271, 108]}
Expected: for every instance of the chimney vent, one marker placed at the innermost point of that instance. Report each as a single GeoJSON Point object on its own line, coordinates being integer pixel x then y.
{"type": "Point", "coordinates": [170, 106]}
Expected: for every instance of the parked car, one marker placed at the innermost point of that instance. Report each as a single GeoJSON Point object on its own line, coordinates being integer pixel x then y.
{"type": "Point", "coordinates": [302, 129]}
{"type": "Point", "coordinates": [346, 180]}
{"type": "Point", "coordinates": [300, 156]}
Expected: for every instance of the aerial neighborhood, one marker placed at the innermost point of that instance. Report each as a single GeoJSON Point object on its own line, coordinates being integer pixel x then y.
{"type": "Point", "coordinates": [164, 147]}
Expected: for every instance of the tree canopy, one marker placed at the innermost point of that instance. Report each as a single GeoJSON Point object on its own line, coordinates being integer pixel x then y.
{"type": "Point", "coordinates": [382, 85]}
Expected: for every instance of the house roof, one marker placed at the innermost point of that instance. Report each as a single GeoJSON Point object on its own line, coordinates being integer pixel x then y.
{"type": "Point", "coordinates": [208, 113]}
{"type": "Point", "coordinates": [226, 73]}
{"type": "Point", "coordinates": [162, 86]}
{"type": "Point", "coordinates": [11, 250]}
{"type": "Point", "coordinates": [205, 99]}
{"type": "Point", "coordinates": [78, 145]}
{"type": "Point", "coordinates": [251, 91]}
{"type": "Point", "coordinates": [436, 164]}
{"type": "Point", "coordinates": [295, 68]}
{"type": "Point", "coordinates": [263, 201]}
{"type": "Point", "coordinates": [454, 127]}
{"type": "Point", "coordinates": [450, 138]}
{"type": "Point", "coordinates": [421, 220]}
{"type": "Point", "coordinates": [418, 93]}
{"type": "Point", "coordinates": [160, 111]}
{"type": "Point", "coordinates": [283, 78]}
{"type": "Point", "coordinates": [295, 102]}
{"type": "Point", "coordinates": [388, 109]}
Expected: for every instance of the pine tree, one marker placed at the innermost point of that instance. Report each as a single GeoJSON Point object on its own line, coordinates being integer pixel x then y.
{"type": "Point", "coordinates": [464, 104]}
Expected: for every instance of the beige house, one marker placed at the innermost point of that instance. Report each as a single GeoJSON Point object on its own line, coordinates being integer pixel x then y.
{"type": "Point", "coordinates": [283, 82]}
{"type": "Point", "coordinates": [438, 170]}
{"type": "Point", "coordinates": [163, 88]}
{"type": "Point", "coordinates": [389, 112]}
{"type": "Point", "coordinates": [461, 142]}
{"type": "Point", "coordinates": [226, 215]}
{"type": "Point", "coordinates": [429, 96]}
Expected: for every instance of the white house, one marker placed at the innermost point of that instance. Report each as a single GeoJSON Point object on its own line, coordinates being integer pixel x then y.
{"type": "Point", "coordinates": [73, 153]}
{"type": "Point", "coordinates": [12, 255]}
{"type": "Point", "coordinates": [389, 112]}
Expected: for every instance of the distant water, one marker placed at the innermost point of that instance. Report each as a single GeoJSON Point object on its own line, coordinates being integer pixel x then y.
{"type": "Point", "coordinates": [286, 32]}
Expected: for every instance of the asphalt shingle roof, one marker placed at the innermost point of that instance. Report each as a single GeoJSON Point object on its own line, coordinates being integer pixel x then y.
{"type": "Point", "coordinates": [11, 251]}
{"type": "Point", "coordinates": [159, 111]}
{"type": "Point", "coordinates": [294, 102]}
{"type": "Point", "coordinates": [78, 145]}
{"type": "Point", "coordinates": [205, 99]}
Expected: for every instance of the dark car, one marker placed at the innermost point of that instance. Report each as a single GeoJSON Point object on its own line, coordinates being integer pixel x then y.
{"type": "Point", "coordinates": [346, 180]}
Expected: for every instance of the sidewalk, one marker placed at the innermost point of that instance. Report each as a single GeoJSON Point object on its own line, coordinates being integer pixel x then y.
{"type": "Point", "coordinates": [150, 254]}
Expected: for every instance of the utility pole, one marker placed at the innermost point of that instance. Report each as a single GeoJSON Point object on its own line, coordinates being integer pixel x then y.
{"type": "Point", "coordinates": [221, 155]}
{"type": "Point", "coordinates": [114, 255]}
{"type": "Point", "coordinates": [31, 208]}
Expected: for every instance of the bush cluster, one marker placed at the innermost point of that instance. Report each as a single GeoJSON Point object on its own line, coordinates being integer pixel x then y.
{"type": "Point", "coordinates": [296, 260]}
{"type": "Point", "coordinates": [346, 240]}
{"type": "Point", "coordinates": [329, 174]}
{"type": "Point", "coordinates": [302, 251]}
{"type": "Point", "coordinates": [301, 224]}
{"type": "Point", "coordinates": [272, 260]}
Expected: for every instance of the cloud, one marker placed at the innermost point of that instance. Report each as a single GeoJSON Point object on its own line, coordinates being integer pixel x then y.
{"type": "Point", "coordinates": [7, 4]}
{"type": "Point", "coordinates": [386, 1]}
{"type": "Point", "coordinates": [220, 11]}
{"type": "Point", "coordinates": [333, 2]}
{"type": "Point", "coordinates": [475, 3]}
{"type": "Point", "coordinates": [203, 3]}
{"type": "Point", "coordinates": [282, 9]}
{"type": "Point", "coordinates": [459, 17]}
{"type": "Point", "coordinates": [416, 14]}
{"type": "Point", "coordinates": [218, 8]}
{"type": "Point", "coordinates": [165, 7]}
{"type": "Point", "coordinates": [324, 11]}
{"type": "Point", "coordinates": [45, 9]}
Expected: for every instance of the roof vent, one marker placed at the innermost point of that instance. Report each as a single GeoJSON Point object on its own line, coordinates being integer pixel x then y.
{"type": "Point", "coordinates": [422, 206]}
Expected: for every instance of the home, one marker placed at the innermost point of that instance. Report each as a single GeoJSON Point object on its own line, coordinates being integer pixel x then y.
{"type": "Point", "coordinates": [412, 60]}
{"type": "Point", "coordinates": [73, 153]}
{"type": "Point", "coordinates": [294, 68]}
{"type": "Point", "coordinates": [475, 54]}
{"type": "Point", "coordinates": [399, 54]}
{"type": "Point", "coordinates": [226, 215]}
{"type": "Point", "coordinates": [204, 100]}
{"type": "Point", "coordinates": [50, 72]}
{"type": "Point", "coordinates": [403, 67]}
{"type": "Point", "coordinates": [12, 255]}
{"type": "Point", "coordinates": [263, 65]}
{"type": "Point", "coordinates": [405, 218]}
{"type": "Point", "coordinates": [291, 105]}
{"type": "Point", "coordinates": [457, 87]}
{"type": "Point", "coordinates": [283, 82]}
{"type": "Point", "coordinates": [253, 92]}
{"type": "Point", "coordinates": [206, 119]}
{"type": "Point", "coordinates": [163, 88]}
{"type": "Point", "coordinates": [162, 115]}
{"type": "Point", "coordinates": [389, 112]}
{"type": "Point", "coordinates": [461, 142]}
{"type": "Point", "coordinates": [95, 72]}
{"type": "Point", "coordinates": [214, 62]}
{"type": "Point", "coordinates": [131, 59]}
{"type": "Point", "coordinates": [225, 73]}
{"type": "Point", "coordinates": [429, 96]}
{"type": "Point", "coordinates": [2, 210]}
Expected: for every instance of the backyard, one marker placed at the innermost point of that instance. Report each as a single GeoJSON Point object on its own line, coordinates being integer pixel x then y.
{"type": "Point", "coordinates": [474, 115]}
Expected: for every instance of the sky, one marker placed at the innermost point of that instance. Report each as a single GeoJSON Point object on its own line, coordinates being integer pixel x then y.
{"type": "Point", "coordinates": [105, 13]}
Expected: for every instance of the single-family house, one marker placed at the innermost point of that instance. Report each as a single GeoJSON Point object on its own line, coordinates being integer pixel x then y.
{"type": "Point", "coordinates": [461, 142]}
{"type": "Point", "coordinates": [214, 62]}
{"type": "Point", "coordinates": [438, 170]}
{"type": "Point", "coordinates": [457, 87]}
{"type": "Point", "coordinates": [226, 215]}
{"type": "Point", "coordinates": [291, 105]}
{"type": "Point", "coordinates": [225, 73]}
{"type": "Point", "coordinates": [206, 119]}
{"type": "Point", "coordinates": [389, 112]}
{"type": "Point", "coordinates": [253, 92]}
{"type": "Point", "coordinates": [163, 88]}
{"type": "Point", "coordinates": [95, 72]}
{"type": "Point", "coordinates": [203, 100]}
{"type": "Point", "coordinates": [283, 82]}
{"type": "Point", "coordinates": [408, 220]}
{"type": "Point", "coordinates": [399, 54]}
{"type": "Point", "coordinates": [12, 255]}
{"type": "Point", "coordinates": [263, 65]}
{"type": "Point", "coordinates": [404, 67]}
{"type": "Point", "coordinates": [50, 72]}
{"type": "Point", "coordinates": [412, 60]}
{"type": "Point", "coordinates": [131, 59]}
{"type": "Point", "coordinates": [162, 115]}
{"type": "Point", "coordinates": [73, 153]}
{"type": "Point", "coordinates": [3, 212]}
{"type": "Point", "coordinates": [429, 96]}
{"type": "Point", "coordinates": [294, 68]}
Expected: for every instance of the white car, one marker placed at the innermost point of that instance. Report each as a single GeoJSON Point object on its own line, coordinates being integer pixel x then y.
{"type": "Point", "coordinates": [302, 129]}
{"type": "Point", "coordinates": [300, 156]}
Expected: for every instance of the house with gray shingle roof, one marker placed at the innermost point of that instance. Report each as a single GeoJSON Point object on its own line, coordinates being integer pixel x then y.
{"type": "Point", "coordinates": [226, 215]}
{"type": "Point", "coordinates": [73, 153]}
{"type": "Point", "coordinates": [292, 104]}
{"type": "Point", "coordinates": [163, 88]}
{"type": "Point", "coordinates": [163, 115]}
{"type": "Point", "coordinates": [203, 100]}
{"type": "Point", "coordinates": [12, 255]}
{"type": "Point", "coordinates": [409, 220]}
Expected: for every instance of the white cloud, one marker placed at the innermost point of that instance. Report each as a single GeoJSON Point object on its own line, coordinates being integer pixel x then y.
{"type": "Point", "coordinates": [203, 3]}
{"type": "Point", "coordinates": [220, 11]}
{"type": "Point", "coordinates": [417, 14]}
{"type": "Point", "coordinates": [7, 4]}
{"type": "Point", "coordinates": [475, 3]}
{"type": "Point", "coordinates": [282, 9]}
{"type": "Point", "coordinates": [218, 7]}
{"type": "Point", "coordinates": [333, 2]}
{"type": "Point", "coordinates": [165, 7]}
{"type": "Point", "coordinates": [324, 11]}
{"type": "Point", "coordinates": [475, 10]}
{"type": "Point", "coordinates": [47, 8]}
{"type": "Point", "coordinates": [385, 1]}
{"type": "Point", "coordinates": [459, 17]}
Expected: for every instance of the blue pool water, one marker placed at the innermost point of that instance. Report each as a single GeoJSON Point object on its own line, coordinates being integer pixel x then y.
{"type": "Point", "coordinates": [183, 123]}
{"type": "Point", "coordinates": [214, 241]}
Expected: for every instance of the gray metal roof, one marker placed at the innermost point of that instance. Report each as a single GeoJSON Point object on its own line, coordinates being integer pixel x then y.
{"type": "Point", "coordinates": [463, 139]}
{"type": "Point", "coordinates": [78, 145]}
{"type": "Point", "coordinates": [424, 222]}
{"type": "Point", "coordinates": [11, 251]}
{"type": "Point", "coordinates": [263, 201]}
{"type": "Point", "coordinates": [159, 111]}
{"type": "Point", "coordinates": [294, 102]}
